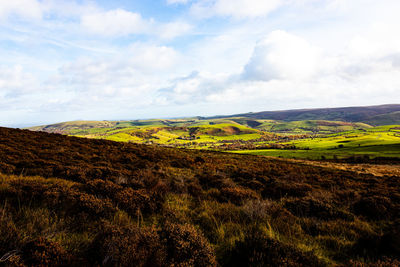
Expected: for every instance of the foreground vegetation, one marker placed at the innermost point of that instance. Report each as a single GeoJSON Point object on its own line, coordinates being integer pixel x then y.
{"type": "Point", "coordinates": [74, 201]}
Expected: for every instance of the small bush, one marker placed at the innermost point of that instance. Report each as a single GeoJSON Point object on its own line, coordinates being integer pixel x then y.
{"type": "Point", "coordinates": [259, 250]}
{"type": "Point", "coordinates": [391, 239]}
{"type": "Point", "coordinates": [186, 246]}
{"type": "Point", "coordinates": [375, 245]}
{"type": "Point", "coordinates": [237, 195]}
{"type": "Point", "coordinates": [309, 207]}
{"type": "Point", "coordinates": [128, 246]}
{"type": "Point", "coordinates": [374, 207]}
{"type": "Point", "coordinates": [280, 189]}
{"type": "Point", "coordinates": [9, 234]}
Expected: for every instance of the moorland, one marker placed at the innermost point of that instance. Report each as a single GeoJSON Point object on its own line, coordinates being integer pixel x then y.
{"type": "Point", "coordinates": [321, 189]}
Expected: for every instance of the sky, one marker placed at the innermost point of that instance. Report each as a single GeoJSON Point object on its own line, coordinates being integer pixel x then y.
{"type": "Point", "coordinates": [63, 60]}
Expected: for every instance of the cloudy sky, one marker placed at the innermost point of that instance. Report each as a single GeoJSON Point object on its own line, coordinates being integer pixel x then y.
{"type": "Point", "coordinates": [66, 60]}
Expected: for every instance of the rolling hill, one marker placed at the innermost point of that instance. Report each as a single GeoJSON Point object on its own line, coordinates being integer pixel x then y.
{"type": "Point", "coordinates": [186, 131]}
{"type": "Point", "coordinates": [67, 201]}
{"type": "Point", "coordinates": [308, 139]}
{"type": "Point", "coordinates": [385, 119]}
{"type": "Point", "coordinates": [366, 114]}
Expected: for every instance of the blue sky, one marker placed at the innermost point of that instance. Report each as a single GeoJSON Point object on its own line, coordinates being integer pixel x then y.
{"type": "Point", "coordinates": [108, 60]}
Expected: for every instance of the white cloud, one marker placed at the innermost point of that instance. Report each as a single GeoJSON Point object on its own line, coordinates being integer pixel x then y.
{"type": "Point", "coordinates": [174, 29]}
{"type": "Point", "coordinates": [379, 41]}
{"type": "Point", "coordinates": [225, 52]}
{"type": "Point", "coordinates": [235, 8]}
{"type": "Point", "coordinates": [150, 58]}
{"type": "Point", "coordinates": [15, 81]}
{"type": "Point", "coordinates": [325, 91]}
{"type": "Point", "coordinates": [26, 9]}
{"type": "Point", "coordinates": [121, 81]}
{"type": "Point", "coordinates": [193, 88]}
{"type": "Point", "coordinates": [68, 8]}
{"type": "Point", "coordinates": [115, 23]}
{"type": "Point", "coordinates": [285, 68]}
{"type": "Point", "coordinates": [119, 22]}
{"type": "Point", "coordinates": [282, 56]}
{"type": "Point", "coordinates": [171, 2]}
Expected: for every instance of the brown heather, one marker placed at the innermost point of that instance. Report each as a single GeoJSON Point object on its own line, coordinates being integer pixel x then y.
{"type": "Point", "coordinates": [67, 201]}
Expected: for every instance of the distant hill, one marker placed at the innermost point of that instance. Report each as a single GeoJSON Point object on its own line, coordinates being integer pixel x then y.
{"type": "Point", "coordinates": [385, 119]}
{"type": "Point", "coordinates": [73, 125]}
{"type": "Point", "coordinates": [378, 115]}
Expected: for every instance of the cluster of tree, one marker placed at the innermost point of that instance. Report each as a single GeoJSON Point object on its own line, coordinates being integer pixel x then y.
{"type": "Point", "coordinates": [145, 134]}
{"type": "Point", "coordinates": [254, 146]}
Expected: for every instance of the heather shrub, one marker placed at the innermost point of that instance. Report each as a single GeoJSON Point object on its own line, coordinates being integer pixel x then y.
{"type": "Point", "coordinates": [43, 252]}
{"type": "Point", "coordinates": [177, 209]}
{"type": "Point", "coordinates": [391, 239]}
{"type": "Point", "coordinates": [310, 207]}
{"type": "Point", "coordinates": [279, 189]}
{"type": "Point", "coordinates": [259, 210]}
{"type": "Point", "coordinates": [374, 207]}
{"type": "Point", "coordinates": [237, 195]}
{"type": "Point", "coordinates": [127, 246]}
{"type": "Point", "coordinates": [257, 249]}
{"type": "Point", "coordinates": [7, 168]}
{"type": "Point", "coordinates": [186, 246]}
{"type": "Point", "coordinates": [9, 235]}
{"type": "Point", "coordinates": [375, 245]}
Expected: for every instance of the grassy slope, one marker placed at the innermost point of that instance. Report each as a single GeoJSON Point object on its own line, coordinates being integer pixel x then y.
{"type": "Point", "coordinates": [383, 141]}
{"type": "Point", "coordinates": [385, 119]}
{"type": "Point", "coordinates": [167, 131]}
{"type": "Point", "coordinates": [75, 125]}
{"type": "Point", "coordinates": [309, 126]}
{"type": "Point", "coordinates": [84, 202]}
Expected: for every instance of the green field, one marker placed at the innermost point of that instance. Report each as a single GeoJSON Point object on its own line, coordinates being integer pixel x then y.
{"type": "Point", "coordinates": [383, 141]}
{"type": "Point", "coordinates": [310, 139]}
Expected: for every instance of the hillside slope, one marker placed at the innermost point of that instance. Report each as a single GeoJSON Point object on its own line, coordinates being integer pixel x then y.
{"type": "Point", "coordinates": [347, 114]}
{"type": "Point", "coordinates": [385, 119]}
{"type": "Point", "coordinates": [73, 201]}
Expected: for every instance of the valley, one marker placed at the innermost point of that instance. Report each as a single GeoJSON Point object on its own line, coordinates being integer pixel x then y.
{"type": "Point", "coordinates": [310, 139]}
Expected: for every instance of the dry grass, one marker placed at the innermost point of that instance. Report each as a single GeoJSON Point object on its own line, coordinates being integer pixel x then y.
{"type": "Point", "coordinates": [360, 168]}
